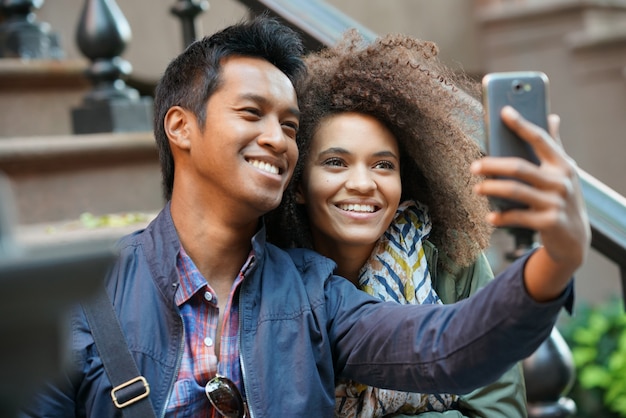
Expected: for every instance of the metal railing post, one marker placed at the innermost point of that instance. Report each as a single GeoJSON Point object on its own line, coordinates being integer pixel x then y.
{"type": "Point", "coordinates": [187, 11]}
{"type": "Point", "coordinates": [111, 106]}
{"type": "Point", "coordinates": [21, 36]}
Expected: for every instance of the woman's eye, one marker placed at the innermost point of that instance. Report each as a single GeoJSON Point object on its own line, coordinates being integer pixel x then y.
{"type": "Point", "coordinates": [385, 165]}
{"type": "Point", "coordinates": [333, 162]}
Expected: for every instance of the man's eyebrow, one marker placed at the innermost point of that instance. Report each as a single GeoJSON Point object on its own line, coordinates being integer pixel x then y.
{"type": "Point", "coordinates": [262, 100]}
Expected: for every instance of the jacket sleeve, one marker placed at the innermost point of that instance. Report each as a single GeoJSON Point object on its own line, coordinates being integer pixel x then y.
{"type": "Point", "coordinates": [439, 348]}
{"type": "Point", "coordinates": [506, 397]}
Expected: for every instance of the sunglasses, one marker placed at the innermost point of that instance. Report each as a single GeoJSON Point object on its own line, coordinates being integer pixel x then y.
{"type": "Point", "coordinates": [226, 398]}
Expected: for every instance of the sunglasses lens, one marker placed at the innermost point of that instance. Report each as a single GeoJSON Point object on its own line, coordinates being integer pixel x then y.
{"type": "Point", "coordinates": [225, 397]}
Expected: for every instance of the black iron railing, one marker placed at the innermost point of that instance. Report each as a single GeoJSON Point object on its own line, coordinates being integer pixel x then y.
{"type": "Point", "coordinates": [320, 23]}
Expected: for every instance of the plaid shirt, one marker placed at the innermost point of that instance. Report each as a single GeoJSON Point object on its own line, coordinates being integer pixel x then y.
{"type": "Point", "coordinates": [199, 310]}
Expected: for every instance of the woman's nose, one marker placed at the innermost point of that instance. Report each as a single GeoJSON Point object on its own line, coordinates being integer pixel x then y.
{"type": "Point", "coordinates": [361, 180]}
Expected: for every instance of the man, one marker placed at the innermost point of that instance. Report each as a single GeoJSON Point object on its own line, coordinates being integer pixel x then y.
{"type": "Point", "coordinates": [199, 293]}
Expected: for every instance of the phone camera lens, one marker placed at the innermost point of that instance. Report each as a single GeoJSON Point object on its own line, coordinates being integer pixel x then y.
{"type": "Point", "coordinates": [518, 86]}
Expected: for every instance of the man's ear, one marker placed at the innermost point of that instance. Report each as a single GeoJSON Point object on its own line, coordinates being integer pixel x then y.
{"type": "Point", "coordinates": [300, 195]}
{"type": "Point", "coordinates": [177, 123]}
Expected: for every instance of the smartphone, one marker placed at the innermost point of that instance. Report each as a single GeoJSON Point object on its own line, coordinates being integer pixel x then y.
{"type": "Point", "coordinates": [527, 92]}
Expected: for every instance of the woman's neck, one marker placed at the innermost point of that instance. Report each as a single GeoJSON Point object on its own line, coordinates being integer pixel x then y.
{"type": "Point", "coordinates": [349, 259]}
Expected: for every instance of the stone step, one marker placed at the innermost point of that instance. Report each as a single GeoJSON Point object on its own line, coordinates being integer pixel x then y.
{"type": "Point", "coordinates": [87, 228]}
{"type": "Point", "coordinates": [58, 178]}
{"type": "Point", "coordinates": [36, 96]}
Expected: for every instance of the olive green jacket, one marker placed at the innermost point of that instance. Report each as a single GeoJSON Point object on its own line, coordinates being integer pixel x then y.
{"type": "Point", "coordinates": [505, 398]}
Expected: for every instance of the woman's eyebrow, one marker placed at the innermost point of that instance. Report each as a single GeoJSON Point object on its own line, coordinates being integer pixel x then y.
{"type": "Point", "coordinates": [339, 150]}
{"type": "Point", "coordinates": [335, 150]}
{"type": "Point", "coordinates": [385, 154]}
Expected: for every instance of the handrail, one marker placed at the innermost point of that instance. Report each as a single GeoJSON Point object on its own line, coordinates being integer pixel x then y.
{"type": "Point", "coordinates": [319, 23]}
{"type": "Point", "coordinates": [322, 24]}
{"type": "Point", "coordinates": [607, 216]}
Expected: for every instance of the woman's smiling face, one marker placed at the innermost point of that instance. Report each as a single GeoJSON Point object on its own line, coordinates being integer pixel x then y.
{"type": "Point", "coordinates": [351, 182]}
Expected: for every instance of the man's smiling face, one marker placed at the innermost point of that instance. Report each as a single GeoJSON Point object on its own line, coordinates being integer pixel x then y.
{"type": "Point", "coordinates": [247, 151]}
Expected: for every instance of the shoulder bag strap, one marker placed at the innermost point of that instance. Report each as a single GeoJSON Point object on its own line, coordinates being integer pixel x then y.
{"type": "Point", "coordinates": [130, 389]}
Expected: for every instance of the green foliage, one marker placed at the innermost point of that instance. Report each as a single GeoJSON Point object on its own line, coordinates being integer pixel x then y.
{"type": "Point", "coordinates": [89, 220]}
{"type": "Point", "coordinates": [597, 337]}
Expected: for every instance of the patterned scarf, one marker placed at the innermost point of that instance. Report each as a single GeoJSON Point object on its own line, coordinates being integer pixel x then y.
{"type": "Point", "coordinates": [396, 270]}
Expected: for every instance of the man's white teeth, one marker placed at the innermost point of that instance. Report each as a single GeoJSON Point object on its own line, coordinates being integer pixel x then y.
{"type": "Point", "coordinates": [357, 208]}
{"type": "Point", "coordinates": [265, 166]}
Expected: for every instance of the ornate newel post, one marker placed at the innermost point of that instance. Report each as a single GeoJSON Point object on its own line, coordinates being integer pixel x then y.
{"type": "Point", "coordinates": [21, 36]}
{"type": "Point", "coordinates": [111, 106]}
{"type": "Point", "coordinates": [187, 11]}
{"type": "Point", "coordinates": [549, 372]}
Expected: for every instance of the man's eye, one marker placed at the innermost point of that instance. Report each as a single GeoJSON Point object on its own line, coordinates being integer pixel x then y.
{"type": "Point", "coordinates": [252, 111]}
{"type": "Point", "coordinates": [292, 126]}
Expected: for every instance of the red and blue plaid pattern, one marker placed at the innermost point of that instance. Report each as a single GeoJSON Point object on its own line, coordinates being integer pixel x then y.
{"type": "Point", "coordinates": [199, 310]}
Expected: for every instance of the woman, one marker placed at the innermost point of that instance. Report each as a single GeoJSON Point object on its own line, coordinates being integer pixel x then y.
{"type": "Point", "coordinates": [383, 187]}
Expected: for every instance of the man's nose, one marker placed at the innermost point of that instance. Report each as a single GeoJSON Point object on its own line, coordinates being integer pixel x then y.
{"type": "Point", "coordinates": [273, 136]}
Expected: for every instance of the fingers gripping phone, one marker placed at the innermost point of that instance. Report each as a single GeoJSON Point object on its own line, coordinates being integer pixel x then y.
{"type": "Point", "coordinates": [527, 92]}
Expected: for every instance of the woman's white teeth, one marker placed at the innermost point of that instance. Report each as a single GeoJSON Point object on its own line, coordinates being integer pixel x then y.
{"type": "Point", "coordinates": [357, 208]}
{"type": "Point", "coordinates": [265, 166]}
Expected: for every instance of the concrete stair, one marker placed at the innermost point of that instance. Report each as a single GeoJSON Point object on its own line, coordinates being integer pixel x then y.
{"type": "Point", "coordinates": [56, 176]}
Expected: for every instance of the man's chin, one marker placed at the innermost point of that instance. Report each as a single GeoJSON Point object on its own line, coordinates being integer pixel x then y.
{"type": "Point", "coordinates": [268, 204]}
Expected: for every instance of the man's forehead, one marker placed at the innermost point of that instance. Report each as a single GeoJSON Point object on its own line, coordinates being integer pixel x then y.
{"type": "Point", "coordinates": [249, 63]}
{"type": "Point", "coordinates": [256, 79]}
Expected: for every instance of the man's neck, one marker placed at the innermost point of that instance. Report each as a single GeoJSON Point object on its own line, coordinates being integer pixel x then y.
{"type": "Point", "coordinates": [218, 248]}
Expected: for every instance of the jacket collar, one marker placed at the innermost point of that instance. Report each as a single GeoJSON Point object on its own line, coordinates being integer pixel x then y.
{"type": "Point", "coordinates": [162, 243]}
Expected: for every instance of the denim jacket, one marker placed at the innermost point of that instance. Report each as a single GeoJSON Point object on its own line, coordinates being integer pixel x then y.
{"type": "Point", "coordinates": [301, 327]}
